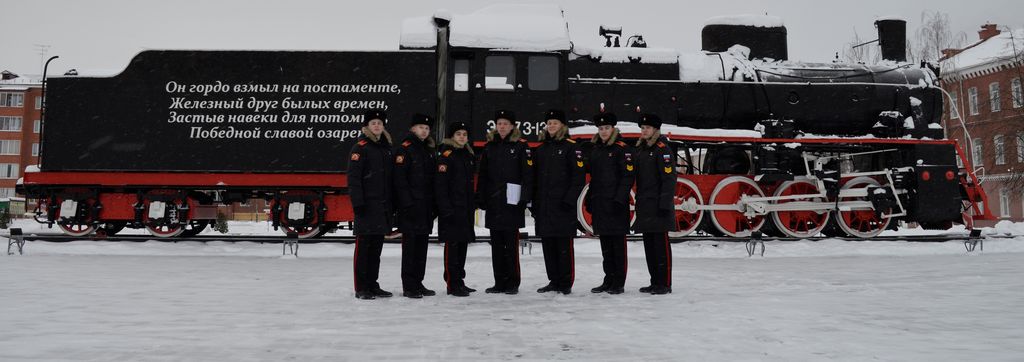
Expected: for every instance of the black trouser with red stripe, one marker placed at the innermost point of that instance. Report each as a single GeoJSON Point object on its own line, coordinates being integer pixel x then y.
{"type": "Point", "coordinates": [505, 258]}
{"type": "Point", "coordinates": [659, 258]}
{"type": "Point", "coordinates": [366, 261]}
{"type": "Point", "coordinates": [414, 261]}
{"type": "Point", "coordinates": [559, 261]}
{"type": "Point", "coordinates": [613, 249]}
{"type": "Point", "coordinates": [455, 263]}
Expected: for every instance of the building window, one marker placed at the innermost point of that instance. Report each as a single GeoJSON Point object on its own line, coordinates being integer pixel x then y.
{"type": "Point", "coordinates": [976, 155]}
{"type": "Point", "coordinates": [954, 106]}
{"type": "Point", "coordinates": [1000, 150]}
{"type": "Point", "coordinates": [500, 73]}
{"type": "Point", "coordinates": [8, 170]}
{"type": "Point", "coordinates": [1016, 93]}
{"type": "Point", "coordinates": [993, 97]}
{"type": "Point", "coordinates": [10, 147]}
{"type": "Point", "coordinates": [543, 73]}
{"type": "Point", "coordinates": [6, 192]}
{"type": "Point", "coordinates": [10, 124]}
{"type": "Point", "coordinates": [35, 149]}
{"type": "Point", "coordinates": [36, 126]}
{"type": "Point", "coordinates": [1020, 146]}
{"type": "Point", "coordinates": [39, 102]}
{"type": "Point", "coordinates": [1004, 203]}
{"type": "Point", "coordinates": [972, 100]}
{"type": "Point", "coordinates": [11, 99]}
{"type": "Point", "coordinates": [460, 76]}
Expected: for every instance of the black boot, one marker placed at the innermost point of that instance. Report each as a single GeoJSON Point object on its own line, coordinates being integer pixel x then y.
{"type": "Point", "coordinates": [494, 290]}
{"type": "Point", "coordinates": [600, 288]}
{"type": "Point", "coordinates": [468, 289]}
{"type": "Point", "coordinates": [366, 295]}
{"type": "Point", "coordinates": [646, 289]}
{"type": "Point", "coordinates": [458, 292]}
{"type": "Point", "coordinates": [413, 294]}
{"type": "Point", "coordinates": [615, 290]}
{"type": "Point", "coordinates": [427, 292]}
{"type": "Point", "coordinates": [548, 288]}
{"type": "Point", "coordinates": [661, 290]}
{"type": "Point", "coordinates": [381, 293]}
{"type": "Point", "coordinates": [511, 291]}
{"type": "Point", "coordinates": [566, 290]}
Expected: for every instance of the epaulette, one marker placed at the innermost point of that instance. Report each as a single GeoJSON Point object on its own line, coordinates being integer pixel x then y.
{"type": "Point", "coordinates": [570, 140]}
{"type": "Point", "coordinates": [362, 142]}
{"type": "Point", "coordinates": [620, 143]}
{"type": "Point", "coordinates": [446, 153]}
{"type": "Point", "coordinates": [661, 144]}
{"type": "Point", "coordinates": [406, 143]}
{"type": "Point", "coordinates": [523, 140]}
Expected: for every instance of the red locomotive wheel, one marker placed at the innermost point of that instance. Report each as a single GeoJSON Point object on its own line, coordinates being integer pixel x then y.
{"type": "Point", "coordinates": [799, 224]}
{"type": "Point", "coordinates": [76, 230]}
{"type": "Point", "coordinates": [305, 232]}
{"type": "Point", "coordinates": [687, 221]}
{"type": "Point", "coordinates": [728, 192]}
{"type": "Point", "coordinates": [586, 220]}
{"type": "Point", "coordinates": [863, 222]}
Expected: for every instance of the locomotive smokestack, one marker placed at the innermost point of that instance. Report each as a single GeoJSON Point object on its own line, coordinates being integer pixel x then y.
{"type": "Point", "coordinates": [892, 37]}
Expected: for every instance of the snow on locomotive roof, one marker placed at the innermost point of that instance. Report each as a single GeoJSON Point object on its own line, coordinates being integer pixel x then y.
{"type": "Point", "coordinates": [625, 55]}
{"type": "Point", "coordinates": [762, 21]}
{"type": "Point", "coordinates": [525, 27]}
{"type": "Point", "coordinates": [890, 17]}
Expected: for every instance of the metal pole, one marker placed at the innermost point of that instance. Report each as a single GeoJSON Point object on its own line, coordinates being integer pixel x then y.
{"type": "Point", "coordinates": [42, 110]}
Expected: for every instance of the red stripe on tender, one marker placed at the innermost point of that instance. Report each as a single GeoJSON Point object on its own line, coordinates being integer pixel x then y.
{"type": "Point", "coordinates": [114, 178]}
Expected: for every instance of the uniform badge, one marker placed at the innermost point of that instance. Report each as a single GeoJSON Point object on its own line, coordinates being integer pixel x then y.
{"type": "Point", "coordinates": [529, 162]}
{"type": "Point", "coordinates": [629, 157]}
{"type": "Point", "coordinates": [442, 168]}
{"type": "Point", "coordinates": [660, 144]}
{"type": "Point", "coordinates": [406, 143]}
{"type": "Point", "coordinates": [362, 142]}
{"type": "Point", "coordinates": [667, 158]}
{"type": "Point", "coordinates": [446, 153]}
{"type": "Point", "coordinates": [579, 163]}
{"type": "Point", "coordinates": [629, 167]}
{"type": "Point", "coordinates": [668, 170]}
{"type": "Point", "coordinates": [400, 159]}
{"type": "Point", "coordinates": [355, 157]}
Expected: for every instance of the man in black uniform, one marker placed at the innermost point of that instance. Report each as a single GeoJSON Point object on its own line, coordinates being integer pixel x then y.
{"type": "Point", "coordinates": [655, 206]}
{"type": "Point", "coordinates": [415, 164]}
{"type": "Point", "coordinates": [611, 178]}
{"type": "Point", "coordinates": [558, 164]}
{"type": "Point", "coordinates": [454, 192]}
{"type": "Point", "coordinates": [370, 177]}
{"type": "Point", "coordinates": [505, 171]}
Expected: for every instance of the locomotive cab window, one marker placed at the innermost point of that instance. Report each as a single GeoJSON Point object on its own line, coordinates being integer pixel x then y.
{"type": "Point", "coordinates": [543, 73]}
{"type": "Point", "coordinates": [500, 73]}
{"type": "Point", "coordinates": [460, 75]}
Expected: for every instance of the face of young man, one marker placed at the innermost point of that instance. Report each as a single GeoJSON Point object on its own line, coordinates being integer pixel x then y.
{"type": "Point", "coordinates": [421, 131]}
{"type": "Point", "coordinates": [460, 137]}
{"type": "Point", "coordinates": [552, 126]}
{"type": "Point", "coordinates": [376, 127]}
{"type": "Point", "coordinates": [605, 132]}
{"type": "Point", "coordinates": [504, 127]}
{"type": "Point", "coordinates": [647, 131]}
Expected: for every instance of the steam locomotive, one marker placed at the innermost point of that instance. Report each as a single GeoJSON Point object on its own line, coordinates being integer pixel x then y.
{"type": "Point", "coordinates": [765, 144]}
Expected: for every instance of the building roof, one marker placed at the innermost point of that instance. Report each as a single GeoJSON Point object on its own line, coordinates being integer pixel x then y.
{"type": "Point", "coordinates": [986, 54]}
{"type": "Point", "coordinates": [523, 27]}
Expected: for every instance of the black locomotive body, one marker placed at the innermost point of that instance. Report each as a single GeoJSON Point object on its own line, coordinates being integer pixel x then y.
{"type": "Point", "coordinates": [189, 129]}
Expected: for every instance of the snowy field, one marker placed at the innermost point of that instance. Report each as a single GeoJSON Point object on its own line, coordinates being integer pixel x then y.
{"type": "Point", "coordinates": [828, 300]}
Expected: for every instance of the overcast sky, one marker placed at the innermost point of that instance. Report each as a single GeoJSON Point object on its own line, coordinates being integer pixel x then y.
{"type": "Point", "coordinates": [104, 35]}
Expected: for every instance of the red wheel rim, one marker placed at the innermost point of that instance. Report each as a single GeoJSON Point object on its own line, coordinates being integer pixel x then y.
{"type": "Point", "coordinates": [165, 231]}
{"type": "Point", "coordinates": [687, 222]}
{"type": "Point", "coordinates": [304, 232]}
{"type": "Point", "coordinates": [587, 219]}
{"type": "Point", "coordinates": [728, 192]}
{"type": "Point", "coordinates": [76, 229]}
{"type": "Point", "coordinates": [805, 223]}
{"type": "Point", "coordinates": [862, 223]}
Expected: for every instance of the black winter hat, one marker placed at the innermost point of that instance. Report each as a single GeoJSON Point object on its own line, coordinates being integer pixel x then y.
{"type": "Point", "coordinates": [652, 120]}
{"type": "Point", "coordinates": [605, 119]}
{"type": "Point", "coordinates": [555, 114]}
{"type": "Point", "coordinates": [375, 114]}
{"type": "Point", "coordinates": [501, 113]}
{"type": "Point", "coordinates": [455, 127]}
{"type": "Point", "coordinates": [423, 119]}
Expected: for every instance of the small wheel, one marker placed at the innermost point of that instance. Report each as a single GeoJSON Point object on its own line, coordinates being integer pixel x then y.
{"type": "Point", "coordinates": [861, 223]}
{"type": "Point", "coordinates": [804, 223]}
{"type": "Point", "coordinates": [76, 230]}
{"type": "Point", "coordinates": [728, 192]}
{"type": "Point", "coordinates": [305, 232]}
{"type": "Point", "coordinates": [686, 221]}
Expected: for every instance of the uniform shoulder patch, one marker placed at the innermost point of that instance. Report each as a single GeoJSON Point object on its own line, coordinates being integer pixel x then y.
{"type": "Point", "coordinates": [522, 140]}
{"type": "Point", "coordinates": [406, 143]}
{"type": "Point", "coordinates": [442, 168]}
{"type": "Point", "coordinates": [661, 144]}
{"type": "Point", "coordinates": [399, 159]}
{"type": "Point", "coordinates": [620, 143]}
{"type": "Point", "coordinates": [446, 153]}
{"type": "Point", "coordinates": [355, 156]}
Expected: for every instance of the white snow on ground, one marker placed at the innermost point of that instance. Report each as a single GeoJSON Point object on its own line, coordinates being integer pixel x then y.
{"type": "Point", "coordinates": [828, 300]}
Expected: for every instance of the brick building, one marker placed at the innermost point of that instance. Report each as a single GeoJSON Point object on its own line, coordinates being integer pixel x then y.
{"type": "Point", "coordinates": [20, 104]}
{"type": "Point", "coordinates": [984, 83]}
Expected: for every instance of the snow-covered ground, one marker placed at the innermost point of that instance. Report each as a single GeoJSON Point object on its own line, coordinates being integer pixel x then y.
{"type": "Point", "coordinates": [827, 300]}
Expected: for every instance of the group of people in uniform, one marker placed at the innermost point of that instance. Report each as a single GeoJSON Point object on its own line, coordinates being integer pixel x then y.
{"type": "Point", "coordinates": [412, 184]}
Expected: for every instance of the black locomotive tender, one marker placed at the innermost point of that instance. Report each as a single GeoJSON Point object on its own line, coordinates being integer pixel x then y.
{"type": "Point", "coordinates": [764, 143]}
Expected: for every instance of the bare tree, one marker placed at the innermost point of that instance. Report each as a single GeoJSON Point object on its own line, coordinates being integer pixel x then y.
{"type": "Point", "coordinates": [934, 35]}
{"type": "Point", "coordinates": [856, 51]}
